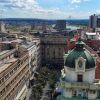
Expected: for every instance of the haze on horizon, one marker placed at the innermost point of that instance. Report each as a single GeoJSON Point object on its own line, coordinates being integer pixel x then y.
{"type": "Point", "coordinates": [49, 9]}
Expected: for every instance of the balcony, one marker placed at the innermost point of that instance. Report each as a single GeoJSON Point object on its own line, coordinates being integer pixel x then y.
{"type": "Point", "coordinates": [78, 85]}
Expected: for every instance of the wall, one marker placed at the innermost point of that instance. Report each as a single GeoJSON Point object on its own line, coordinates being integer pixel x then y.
{"type": "Point", "coordinates": [92, 95]}
{"type": "Point", "coordinates": [67, 93]}
{"type": "Point", "coordinates": [88, 76]}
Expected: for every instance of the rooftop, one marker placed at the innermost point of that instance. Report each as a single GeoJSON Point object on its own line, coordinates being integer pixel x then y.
{"type": "Point", "coordinates": [5, 65]}
{"type": "Point", "coordinates": [28, 45]}
{"type": "Point", "coordinates": [97, 76]}
{"type": "Point", "coordinates": [13, 41]}
{"type": "Point", "coordinates": [88, 33]}
{"type": "Point", "coordinates": [4, 52]}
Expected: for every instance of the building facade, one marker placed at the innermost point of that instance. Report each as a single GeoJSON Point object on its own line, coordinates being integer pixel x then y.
{"type": "Point", "coordinates": [78, 76]}
{"type": "Point", "coordinates": [52, 49]}
{"type": "Point", "coordinates": [14, 73]}
{"type": "Point", "coordinates": [34, 52]}
{"type": "Point", "coordinates": [94, 21]}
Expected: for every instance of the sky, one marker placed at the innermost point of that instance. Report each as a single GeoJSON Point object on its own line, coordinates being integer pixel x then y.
{"type": "Point", "coordinates": [49, 9]}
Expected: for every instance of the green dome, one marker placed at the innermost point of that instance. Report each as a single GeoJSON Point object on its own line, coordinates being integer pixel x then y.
{"type": "Point", "coordinates": [79, 51]}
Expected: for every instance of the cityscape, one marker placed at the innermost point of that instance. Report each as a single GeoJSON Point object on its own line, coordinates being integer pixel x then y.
{"type": "Point", "coordinates": [49, 50]}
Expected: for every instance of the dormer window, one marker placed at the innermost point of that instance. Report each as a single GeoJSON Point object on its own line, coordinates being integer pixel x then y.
{"type": "Point", "coordinates": [80, 64]}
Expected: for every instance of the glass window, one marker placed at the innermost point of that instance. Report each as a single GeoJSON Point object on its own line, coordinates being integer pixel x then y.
{"type": "Point", "coordinates": [79, 78]}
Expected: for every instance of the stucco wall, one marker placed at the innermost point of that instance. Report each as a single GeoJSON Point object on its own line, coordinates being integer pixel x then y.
{"type": "Point", "coordinates": [88, 76]}
{"type": "Point", "coordinates": [67, 93]}
{"type": "Point", "coordinates": [92, 95]}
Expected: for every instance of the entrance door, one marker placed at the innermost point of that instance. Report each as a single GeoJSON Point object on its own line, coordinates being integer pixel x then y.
{"type": "Point", "coordinates": [79, 78]}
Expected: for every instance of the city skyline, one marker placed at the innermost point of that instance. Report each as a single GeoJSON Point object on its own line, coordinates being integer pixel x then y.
{"type": "Point", "coordinates": [48, 9]}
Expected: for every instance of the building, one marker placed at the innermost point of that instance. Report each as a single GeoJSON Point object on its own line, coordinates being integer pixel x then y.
{"type": "Point", "coordinates": [61, 25]}
{"type": "Point", "coordinates": [98, 66]}
{"type": "Point", "coordinates": [33, 49]}
{"type": "Point", "coordinates": [2, 27]}
{"type": "Point", "coordinates": [14, 73]}
{"type": "Point", "coordinates": [78, 79]}
{"type": "Point", "coordinates": [52, 49]}
{"type": "Point", "coordinates": [91, 36]}
{"type": "Point", "coordinates": [92, 39]}
{"type": "Point", "coordinates": [94, 21]}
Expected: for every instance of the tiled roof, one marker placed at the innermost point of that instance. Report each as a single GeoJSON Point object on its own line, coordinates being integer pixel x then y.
{"type": "Point", "coordinates": [97, 73]}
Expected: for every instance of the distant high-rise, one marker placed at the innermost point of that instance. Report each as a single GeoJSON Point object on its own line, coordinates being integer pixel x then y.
{"type": "Point", "coordinates": [94, 21]}
{"type": "Point", "coordinates": [61, 25]}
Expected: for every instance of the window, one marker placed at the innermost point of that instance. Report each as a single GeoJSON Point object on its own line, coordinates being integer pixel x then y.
{"type": "Point", "coordinates": [0, 81]}
{"type": "Point", "coordinates": [92, 91]}
{"type": "Point", "coordinates": [79, 78]}
{"type": "Point", "coordinates": [15, 68]}
{"type": "Point", "coordinates": [11, 72]}
{"type": "Point", "coordinates": [0, 92]}
{"type": "Point", "coordinates": [7, 76]}
{"type": "Point", "coordinates": [80, 63]}
{"type": "Point", "coordinates": [54, 54]}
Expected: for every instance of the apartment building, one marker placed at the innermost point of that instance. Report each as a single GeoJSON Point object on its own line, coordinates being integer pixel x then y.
{"type": "Point", "coordinates": [33, 53]}
{"type": "Point", "coordinates": [14, 73]}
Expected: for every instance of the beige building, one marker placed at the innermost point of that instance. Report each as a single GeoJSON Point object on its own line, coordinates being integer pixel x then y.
{"type": "Point", "coordinates": [34, 53]}
{"type": "Point", "coordinates": [14, 73]}
{"type": "Point", "coordinates": [53, 49]}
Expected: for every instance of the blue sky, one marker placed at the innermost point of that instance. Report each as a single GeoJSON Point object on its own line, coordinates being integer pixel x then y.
{"type": "Point", "coordinates": [49, 9]}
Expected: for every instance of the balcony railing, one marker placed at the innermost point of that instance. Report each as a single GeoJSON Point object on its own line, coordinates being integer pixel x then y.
{"type": "Point", "coordinates": [80, 85]}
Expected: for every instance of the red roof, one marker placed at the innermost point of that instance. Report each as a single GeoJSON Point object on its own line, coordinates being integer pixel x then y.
{"type": "Point", "coordinates": [97, 73]}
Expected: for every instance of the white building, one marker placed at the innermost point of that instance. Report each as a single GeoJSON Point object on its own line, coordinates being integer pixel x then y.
{"type": "Point", "coordinates": [2, 27]}
{"type": "Point", "coordinates": [34, 52]}
{"type": "Point", "coordinates": [90, 35]}
{"type": "Point", "coordinates": [78, 75]}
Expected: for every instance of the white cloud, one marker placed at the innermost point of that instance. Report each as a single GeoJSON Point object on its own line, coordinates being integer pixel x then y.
{"type": "Point", "coordinates": [98, 11]}
{"type": "Point", "coordinates": [77, 1]}
{"type": "Point", "coordinates": [32, 9]}
{"type": "Point", "coordinates": [26, 4]}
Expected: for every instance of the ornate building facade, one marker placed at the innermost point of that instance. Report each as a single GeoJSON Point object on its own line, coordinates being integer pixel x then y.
{"type": "Point", "coordinates": [53, 48]}
{"type": "Point", "coordinates": [78, 76]}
